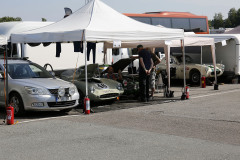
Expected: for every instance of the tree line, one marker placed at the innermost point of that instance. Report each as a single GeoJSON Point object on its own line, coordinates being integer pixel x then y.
{"type": "Point", "coordinates": [10, 19]}
{"type": "Point", "coordinates": [232, 21]}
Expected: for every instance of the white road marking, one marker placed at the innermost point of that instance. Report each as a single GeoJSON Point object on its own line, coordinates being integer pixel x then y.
{"type": "Point", "coordinates": [42, 119]}
{"type": "Point", "coordinates": [207, 95]}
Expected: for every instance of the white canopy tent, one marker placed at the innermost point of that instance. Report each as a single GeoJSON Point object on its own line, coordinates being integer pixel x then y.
{"type": "Point", "coordinates": [189, 40]}
{"type": "Point", "coordinates": [100, 23]}
{"type": "Point", "coordinates": [97, 22]}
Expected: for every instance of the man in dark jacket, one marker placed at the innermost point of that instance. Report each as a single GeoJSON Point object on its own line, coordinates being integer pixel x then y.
{"type": "Point", "coordinates": [145, 67]}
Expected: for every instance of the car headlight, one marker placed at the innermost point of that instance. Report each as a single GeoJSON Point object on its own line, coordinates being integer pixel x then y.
{"type": "Point", "coordinates": [92, 89]}
{"type": "Point", "coordinates": [119, 86]}
{"type": "Point", "coordinates": [206, 69]}
{"type": "Point", "coordinates": [72, 90]}
{"type": "Point", "coordinates": [36, 90]}
{"type": "Point", "coordinates": [223, 67]}
{"type": "Point", "coordinates": [61, 91]}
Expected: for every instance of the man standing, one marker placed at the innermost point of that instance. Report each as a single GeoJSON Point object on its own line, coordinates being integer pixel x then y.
{"type": "Point", "coordinates": [145, 67]}
{"type": "Point", "coordinates": [156, 61]}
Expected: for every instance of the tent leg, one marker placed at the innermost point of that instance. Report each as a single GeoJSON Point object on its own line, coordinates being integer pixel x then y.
{"type": "Point", "coordinates": [85, 52]}
{"type": "Point", "coordinates": [7, 97]}
{"type": "Point", "coordinates": [183, 97]}
{"type": "Point", "coordinates": [201, 68]}
{"type": "Point", "coordinates": [214, 64]}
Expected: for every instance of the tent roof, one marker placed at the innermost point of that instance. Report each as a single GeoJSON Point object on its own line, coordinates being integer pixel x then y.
{"type": "Point", "coordinates": [7, 28]}
{"type": "Point", "coordinates": [189, 40]}
{"type": "Point", "coordinates": [100, 23]}
{"type": "Point", "coordinates": [220, 37]}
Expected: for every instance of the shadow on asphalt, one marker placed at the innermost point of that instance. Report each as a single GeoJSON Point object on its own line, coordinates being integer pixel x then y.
{"type": "Point", "coordinates": [96, 107]}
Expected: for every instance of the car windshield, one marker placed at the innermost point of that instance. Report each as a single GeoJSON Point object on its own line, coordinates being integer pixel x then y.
{"type": "Point", "coordinates": [27, 70]}
{"type": "Point", "coordinates": [188, 59]}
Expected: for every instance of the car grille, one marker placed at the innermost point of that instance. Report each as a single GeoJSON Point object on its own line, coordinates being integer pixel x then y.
{"type": "Point", "coordinates": [55, 91]}
{"type": "Point", "coordinates": [218, 72]}
{"type": "Point", "coordinates": [109, 95]}
{"type": "Point", "coordinates": [61, 104]}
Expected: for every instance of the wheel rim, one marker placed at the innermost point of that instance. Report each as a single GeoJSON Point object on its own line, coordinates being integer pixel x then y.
{"type": "Point", "coordinates": [15, 104]}
{"type": "Point", "coordinates": [195, 77]}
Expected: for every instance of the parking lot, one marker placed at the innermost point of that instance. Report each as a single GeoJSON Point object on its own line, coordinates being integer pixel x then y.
{"type": "Point", "coordinates": [204, 127]}
{"type": "Point", "coordinates": [126, 103]}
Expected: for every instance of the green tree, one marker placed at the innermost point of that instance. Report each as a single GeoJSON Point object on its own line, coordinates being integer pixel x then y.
{"type": "Point", "coordinates": [210, 23]}
{"type": "Point", "coordinates": [228, 23]}
{"type": "Point", "coordinates": [44, 20]}
{"type": "Point", "coordinates": [232, 16]}
{"type": "Point", "coordinates": [9, 19]}
{"type": "Point", "coordinates": [238, 17]}
{"type": "Point", "coordinates": [218, 20]}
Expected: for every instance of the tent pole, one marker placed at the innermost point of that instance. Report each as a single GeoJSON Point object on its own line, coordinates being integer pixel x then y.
{"type": "Point", "coordinates": [214, 64]}
{"type": "Point", "coordinates": [201, 67]}
{"type": "Point", "coordinates": [184, 67]}
{"type": "Point", "coordinates": [167, 55]}
{"type": "Point", "coordinates": [85, 52]}
{"type": "Point", "coordinates": [6, 77]}
{"type": "Point", "coordinates": [168, 71]}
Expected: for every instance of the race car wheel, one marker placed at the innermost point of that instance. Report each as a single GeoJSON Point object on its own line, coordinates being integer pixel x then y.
{"type": "Point", "coordinates": [81, 99]}
{"type": "Point", "coordinates": [195, 76]}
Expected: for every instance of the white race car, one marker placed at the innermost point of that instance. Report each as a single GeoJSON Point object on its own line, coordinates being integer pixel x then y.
{"type": "Point", "coordinates": [193, 71]}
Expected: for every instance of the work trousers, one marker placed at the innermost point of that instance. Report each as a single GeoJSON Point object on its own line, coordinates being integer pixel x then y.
{"type": "Point", "coordinates": [144, 86]}
{"type": "Point", "coordinates": [91, 46]}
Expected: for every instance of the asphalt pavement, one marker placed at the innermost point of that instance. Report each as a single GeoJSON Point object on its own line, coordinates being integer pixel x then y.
{"type": "Point", "coordinates": [205, 127]}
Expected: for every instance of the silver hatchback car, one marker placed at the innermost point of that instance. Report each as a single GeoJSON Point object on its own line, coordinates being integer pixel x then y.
{"type": "Point", "coordinates": [31, 87]}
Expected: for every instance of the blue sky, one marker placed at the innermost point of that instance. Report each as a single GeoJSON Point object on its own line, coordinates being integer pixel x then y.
{"type": "Point", "coordinates": [52, 10]}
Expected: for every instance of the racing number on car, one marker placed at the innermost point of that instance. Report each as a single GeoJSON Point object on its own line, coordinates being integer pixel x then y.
{"type": "Point", "coordinates": [102, 85]}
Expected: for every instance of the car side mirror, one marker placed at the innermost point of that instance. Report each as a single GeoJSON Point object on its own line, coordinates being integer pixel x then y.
{"type": "Point", "coordinates": [52, 73]}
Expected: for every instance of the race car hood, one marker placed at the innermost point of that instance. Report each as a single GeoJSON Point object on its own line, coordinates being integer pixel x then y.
{"type": "Point", "coordinates": [121, 64]}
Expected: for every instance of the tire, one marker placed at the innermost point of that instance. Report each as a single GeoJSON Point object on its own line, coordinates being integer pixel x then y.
{"type": "Point", "coordinates": [81, 100]}
{"type": "Point", "coordinates": [16, 101]}
{"type": "Point", "coordinates": [195, 77]}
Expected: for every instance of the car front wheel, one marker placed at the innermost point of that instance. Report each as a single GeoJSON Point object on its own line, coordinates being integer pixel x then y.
{"type": "Point", "coordinates": [195, 77]}
{"type": "Point", "coordinates": [16, 102]}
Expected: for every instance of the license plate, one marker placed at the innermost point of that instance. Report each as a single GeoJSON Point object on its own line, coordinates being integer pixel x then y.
{"type": "Point", "coordinates": [60, 99]}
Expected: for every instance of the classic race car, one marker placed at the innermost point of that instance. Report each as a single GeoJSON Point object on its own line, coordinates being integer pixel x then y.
{"type": "Point", "coordinates": [99, 89]}
{"type": "Point", "coordinates": [130, 80]}
{"type": "Point", "coordinates": [193, 71]}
